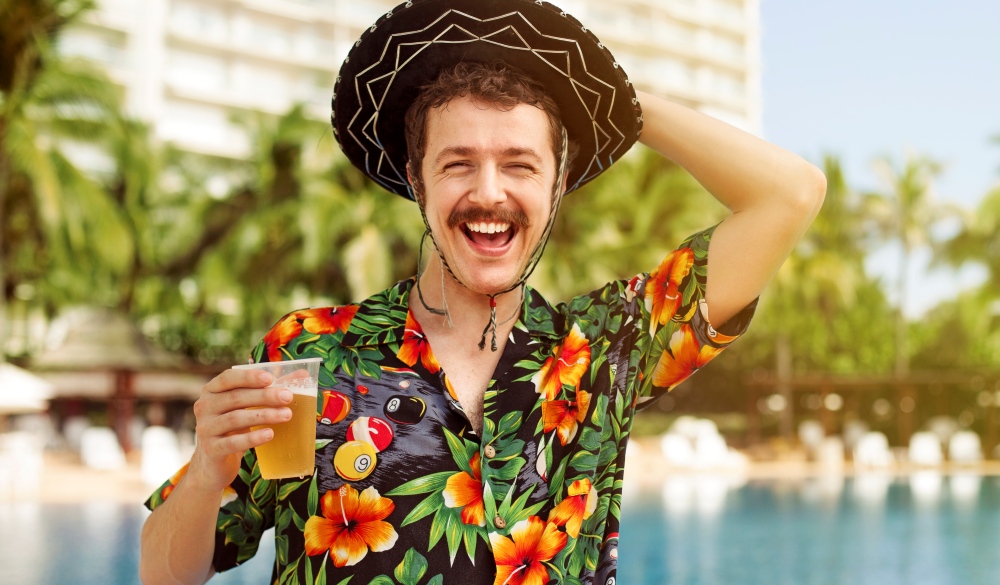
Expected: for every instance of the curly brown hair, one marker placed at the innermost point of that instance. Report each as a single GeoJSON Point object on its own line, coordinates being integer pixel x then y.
{"type": "Point", "coordinates": [495, 83]}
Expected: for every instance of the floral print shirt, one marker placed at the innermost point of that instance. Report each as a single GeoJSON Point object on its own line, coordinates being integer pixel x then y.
{"type": "Point", "coordinates": [405, 492]}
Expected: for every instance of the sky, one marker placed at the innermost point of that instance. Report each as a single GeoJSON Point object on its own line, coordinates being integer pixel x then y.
{"type": "Point", "coordinates": [862, 79]}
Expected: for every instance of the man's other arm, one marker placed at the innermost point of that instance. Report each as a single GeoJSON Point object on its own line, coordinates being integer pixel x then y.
{"type": "Point", "coordinates": [178, 539]}
{"type": "Point", "coordinates": [773, 195]}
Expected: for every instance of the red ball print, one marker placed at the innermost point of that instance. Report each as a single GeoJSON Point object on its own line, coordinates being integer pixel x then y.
{"type": "Point", "coordinates": [369, 429]}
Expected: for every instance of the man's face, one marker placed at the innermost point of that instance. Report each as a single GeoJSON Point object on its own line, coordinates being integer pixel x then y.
{"type": "Point", "coordinates": [488, 177]}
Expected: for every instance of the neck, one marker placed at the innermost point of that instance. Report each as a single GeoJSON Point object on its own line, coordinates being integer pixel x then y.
{"type": "Point", "coordinates": [469, 310]}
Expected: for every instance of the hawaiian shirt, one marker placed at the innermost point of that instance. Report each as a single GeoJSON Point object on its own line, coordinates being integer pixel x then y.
{"type": "Point", "coordinates": [405, 492]}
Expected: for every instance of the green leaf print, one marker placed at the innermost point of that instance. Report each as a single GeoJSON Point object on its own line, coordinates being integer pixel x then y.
{"type": "Point", "coordinates": [453, 534]}
{"type": "Point", "coordinates": [470, 539]}
{"type": "Point", "coordinates": [382, 580]}
{"type": "Point", "coordinates": [288, 576]}
{"type": "Point", "coordinates": [412, 569]}
{"type": "Point", "coordinates": [312, 499]}
{"type": "Point", "coordinates": [431, 504]}
{"type": "Point", "coordinates": [260, 489]}
{"type": "Point", "coordinates": [422, 485]}
{"type": "Point", "coordinates": [461, 450]}
{"type": "Point", "coordinates": [438, 525]}
{"type": "Point", "coordinates": [300, 522]}
{"type": "Point", "coordinates": [556, 482]}
{"type": "Point", "coordinates": [286, 490]}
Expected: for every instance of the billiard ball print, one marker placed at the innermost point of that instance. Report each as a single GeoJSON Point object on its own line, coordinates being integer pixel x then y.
{"type": "Point", "coordinates": [369, 429]}
{"type": "Point", "coordinates": [355, 460]}
{"type": "Point", "coordinates": [405, 410]}
{"type": "Point", "coordinates": [336, 406]}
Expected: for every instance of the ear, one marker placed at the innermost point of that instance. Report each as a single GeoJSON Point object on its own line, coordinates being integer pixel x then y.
{"type": "Point", "coordinates": [415, 184]}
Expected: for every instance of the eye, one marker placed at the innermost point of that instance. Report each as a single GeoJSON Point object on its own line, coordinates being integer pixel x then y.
{"type": "Point", "coordinates": [456, 166]}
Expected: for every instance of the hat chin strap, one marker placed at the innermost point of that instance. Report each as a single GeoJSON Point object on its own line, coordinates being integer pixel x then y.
{"type": "Point", "coordinates": [558, 189]}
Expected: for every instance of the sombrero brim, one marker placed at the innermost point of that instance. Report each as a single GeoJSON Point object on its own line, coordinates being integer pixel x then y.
{"type": "Point", "coordinates": [407, 48]}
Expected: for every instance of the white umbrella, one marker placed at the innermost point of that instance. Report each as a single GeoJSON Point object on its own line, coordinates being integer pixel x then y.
{"type": "Point", "coordinates": [21, 391]}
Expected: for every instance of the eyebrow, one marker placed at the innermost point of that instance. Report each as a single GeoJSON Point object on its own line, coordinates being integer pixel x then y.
{"type": "Point", "coordinates": [512, 152]}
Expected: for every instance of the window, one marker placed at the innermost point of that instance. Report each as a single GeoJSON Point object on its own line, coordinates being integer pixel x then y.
{"type": "Point", "coordinates": [195, 71]}
{"type": "Point", "coordinates": [198, 125]}
{"type": "Point", "coordinates": [200, 21]}
{"type": "Point", "coordinates": [271, 39]}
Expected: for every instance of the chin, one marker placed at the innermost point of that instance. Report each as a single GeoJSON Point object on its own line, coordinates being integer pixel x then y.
{"type": "Point", "coordinates": [489, 282]}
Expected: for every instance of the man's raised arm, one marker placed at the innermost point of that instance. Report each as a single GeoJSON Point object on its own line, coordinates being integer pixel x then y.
{"type": "Point", "coordinates": [773, 194]}
{"type": "Point", "coordinates": [178, 539]}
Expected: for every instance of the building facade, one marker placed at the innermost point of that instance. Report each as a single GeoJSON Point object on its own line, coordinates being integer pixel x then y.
{"type": "Point", "coordinates": [188, 65]}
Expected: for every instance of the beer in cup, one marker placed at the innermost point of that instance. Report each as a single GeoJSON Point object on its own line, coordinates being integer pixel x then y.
{"type": "Point", "coordinates": [292, 451]}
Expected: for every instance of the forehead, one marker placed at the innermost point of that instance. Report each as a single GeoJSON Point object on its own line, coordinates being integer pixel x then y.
{"type": "Point", "coordinates": [468, 123]}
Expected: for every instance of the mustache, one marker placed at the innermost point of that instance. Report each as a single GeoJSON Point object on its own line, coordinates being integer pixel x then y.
{"type": "Point", "coordinates": [492, 215]}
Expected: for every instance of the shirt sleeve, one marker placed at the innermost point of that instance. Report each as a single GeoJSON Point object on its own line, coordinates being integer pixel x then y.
{"type": "Point", "coordinates": [675, 338]}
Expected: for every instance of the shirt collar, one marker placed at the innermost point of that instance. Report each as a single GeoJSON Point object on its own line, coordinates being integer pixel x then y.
{"type": "Point", "coordinates": [381, 318]}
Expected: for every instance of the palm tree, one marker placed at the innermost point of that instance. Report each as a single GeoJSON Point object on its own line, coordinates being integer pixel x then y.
{"type": "Point", "coordinates": [299, 225]}
{"type": "Point", "coordinates": [979, 242]}
{"type": "Point", "coordinates": [905, 214]}
{"type": "Point", "coordinates": [623, 223]}
{"type": "Point", "coordinates": [48, 207]}
{"type": "Point", "coordinates": [821, 276]}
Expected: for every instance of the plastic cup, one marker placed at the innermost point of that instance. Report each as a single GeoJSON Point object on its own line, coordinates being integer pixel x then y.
{"type": "Point", "coordinates": [292, 451]}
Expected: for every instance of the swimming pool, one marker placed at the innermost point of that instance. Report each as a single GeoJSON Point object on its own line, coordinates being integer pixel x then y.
{"type": "Point", "coordinates": [925, 529]}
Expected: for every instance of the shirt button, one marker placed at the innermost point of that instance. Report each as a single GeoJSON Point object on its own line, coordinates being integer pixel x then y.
{"type": "Point", "coordinates": [490, 451]}
{"type": "Point", "coordinates": [499, 522]}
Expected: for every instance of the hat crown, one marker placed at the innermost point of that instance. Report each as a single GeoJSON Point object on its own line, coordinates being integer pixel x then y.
{"type": "Point", "coordinates": [407, 47]}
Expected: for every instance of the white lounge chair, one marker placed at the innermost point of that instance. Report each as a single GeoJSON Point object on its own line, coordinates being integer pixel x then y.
{"type": "Point", "coordinates": [965, 447]}
{"type": "Point", "coordinates": [925, 449]}
{"type": "Point", "coordinates": [872, 452]}
{"type": "Point", "coordinates": [161, 455]}
{"type": "Point", "coordinates": [99, 449]}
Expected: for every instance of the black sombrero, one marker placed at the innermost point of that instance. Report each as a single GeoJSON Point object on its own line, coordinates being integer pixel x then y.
{"type": "Point", "coordinates": [409, 45]}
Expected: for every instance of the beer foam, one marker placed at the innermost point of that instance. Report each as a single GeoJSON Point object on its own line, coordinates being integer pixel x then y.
{"type": "Point", "coordinates": [299, 385]}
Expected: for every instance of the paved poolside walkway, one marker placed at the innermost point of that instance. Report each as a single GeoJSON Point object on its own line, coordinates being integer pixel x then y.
{"type": "Point", "coordinates": [64, 480]}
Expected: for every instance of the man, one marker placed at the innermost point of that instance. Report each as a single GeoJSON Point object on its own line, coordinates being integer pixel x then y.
{"type": "Point", "coordinates": [506, 441]}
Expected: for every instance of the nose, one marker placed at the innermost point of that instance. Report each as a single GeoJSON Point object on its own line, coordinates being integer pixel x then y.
{"type": "Point", "coordinates": [488, 189]}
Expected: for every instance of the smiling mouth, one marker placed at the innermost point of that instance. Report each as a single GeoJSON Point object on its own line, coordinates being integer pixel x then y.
{"type": "Point", "coordinates": [489, 234]}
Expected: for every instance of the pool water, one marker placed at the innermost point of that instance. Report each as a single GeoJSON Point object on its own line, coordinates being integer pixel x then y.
{"type": "Point", "coordinates": [925, 529]}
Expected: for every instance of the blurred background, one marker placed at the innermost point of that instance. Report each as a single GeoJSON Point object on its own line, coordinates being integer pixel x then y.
{"type": "Point", "coordinates": [169, 187]}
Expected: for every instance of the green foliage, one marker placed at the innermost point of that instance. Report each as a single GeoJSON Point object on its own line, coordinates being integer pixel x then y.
{"type": "Point", "coordinates": [623, 223]}
{"type": "Point", "coordinates": [206, 253]}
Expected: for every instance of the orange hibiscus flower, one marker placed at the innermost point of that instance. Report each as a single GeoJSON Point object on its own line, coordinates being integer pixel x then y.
{"type": "Point", "coordinates": [228, 493]}
{"type": "Point", "coordinates": [351, 524]}
{"type": "Point", "coordinates": [663, 295]}
{"type": "Point", "coordinates": [578, 505]}
{"type": "Point", "coordinates": [278, 337]}
{"type": "Point", "coordinates": [327, 320]}
{"type": "Point", "coordinates": [566, 365]}
{"type": "Point", "coordinates": [564, 415]}
{"type": "Point", "coordinates": [681, 359]}
{"type": "Point", "coordinates": [520, 558]}
{"type": "Point", "coordinates": [466, 491]}
{"type": "Point", "coordinates": [415, 346]}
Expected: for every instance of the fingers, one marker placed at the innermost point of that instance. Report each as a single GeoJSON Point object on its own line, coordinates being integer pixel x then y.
{"type": "Point", "coordinates": [237, 421]}
{"type": "Point", "coordinates": [238, 443]}
{"type": "Point", "coordinates": [235, 389]}
{"type": "Point", "coordinates": [248, 398]}
{"type": "Point", "coordinates": [233, 378]}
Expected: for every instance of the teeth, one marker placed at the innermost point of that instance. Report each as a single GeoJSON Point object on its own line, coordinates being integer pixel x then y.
{"type": "Point", "coordinates": [488, 228]}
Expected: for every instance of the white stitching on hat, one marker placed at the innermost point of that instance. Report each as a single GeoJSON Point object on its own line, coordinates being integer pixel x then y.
{"type": "Point", "coordinates": [369, 130]}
